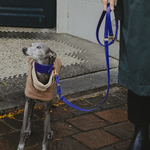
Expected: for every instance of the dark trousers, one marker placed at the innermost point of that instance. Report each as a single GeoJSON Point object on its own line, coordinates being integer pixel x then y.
{"type": "Point", "coordinates": [138, 109]}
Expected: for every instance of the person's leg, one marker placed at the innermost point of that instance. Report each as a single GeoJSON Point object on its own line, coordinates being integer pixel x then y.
{"type": "Point", "coordinates": [138, 109]}
{"type": "Point", "coordinates": [139, 115]}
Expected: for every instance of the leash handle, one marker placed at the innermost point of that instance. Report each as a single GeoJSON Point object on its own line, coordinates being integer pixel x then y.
{"type": "Point", "coordinates": [108, 32]}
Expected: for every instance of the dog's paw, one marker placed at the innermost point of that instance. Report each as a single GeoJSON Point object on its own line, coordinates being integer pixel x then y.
{"type": "Point", "coordinates": [50, 135]}
{"type": "Point", "coordinates": [21, 147]}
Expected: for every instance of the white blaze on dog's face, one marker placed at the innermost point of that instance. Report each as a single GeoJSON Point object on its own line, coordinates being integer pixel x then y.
{"type": "Point", "coordinates": [39, 51]}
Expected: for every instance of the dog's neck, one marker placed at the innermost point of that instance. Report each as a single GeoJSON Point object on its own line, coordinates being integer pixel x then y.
{"type": "Point", "coordinates": [45, 61]}
{"type": "Point", "coordinates": [43, 77]}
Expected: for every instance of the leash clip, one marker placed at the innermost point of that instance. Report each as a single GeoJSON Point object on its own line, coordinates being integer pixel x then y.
{"type": "Point", "coordinates": [58, 96]}
{"type": "Point", "coordinates": [112, 37]}
{"type": "Point", "coordinates": [55, 73]}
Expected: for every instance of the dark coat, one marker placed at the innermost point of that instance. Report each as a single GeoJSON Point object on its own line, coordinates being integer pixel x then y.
{"type": "Point", "coordinates": [134, 61]}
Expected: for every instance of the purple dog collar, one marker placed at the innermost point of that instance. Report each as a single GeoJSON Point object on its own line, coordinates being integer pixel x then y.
{"type": "Point", "coordinates": [43, 68]}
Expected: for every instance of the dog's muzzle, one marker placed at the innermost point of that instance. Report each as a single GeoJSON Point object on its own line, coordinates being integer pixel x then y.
{"type": "Point", "coordinates": [24, 50]}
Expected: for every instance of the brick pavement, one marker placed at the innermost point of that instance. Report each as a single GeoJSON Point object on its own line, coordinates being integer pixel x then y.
{"type": "Point", "coordinates": [106, 128]}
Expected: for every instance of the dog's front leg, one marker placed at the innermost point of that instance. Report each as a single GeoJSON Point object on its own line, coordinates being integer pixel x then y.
{"type": "Point", "coordinates": [48, 133]}
{"type": "Point", "coordinates": [26, 126]}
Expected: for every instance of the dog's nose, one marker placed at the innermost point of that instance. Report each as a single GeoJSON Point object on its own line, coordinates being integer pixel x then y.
{"type": "Point", "coordinates": [24, 49]}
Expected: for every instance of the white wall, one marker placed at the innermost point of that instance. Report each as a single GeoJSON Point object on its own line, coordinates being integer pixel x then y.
{"type": "Point", "coordinates": [62, 16]}
{"type": "Point", "coordinates": [79, 18]}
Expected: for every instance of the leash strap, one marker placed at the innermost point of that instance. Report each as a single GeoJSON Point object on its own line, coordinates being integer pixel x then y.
{"type": "Point", "coordinates": [107, 32]}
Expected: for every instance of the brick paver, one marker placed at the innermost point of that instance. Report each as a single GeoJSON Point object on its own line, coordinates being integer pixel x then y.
{"type": "Point", "coordinates": [122, 145]}
{"type": "Point", "coordinates": [13, 139]}
{"type": "Point", "coordinates": [4, 128]}
{"type": "Point", "coordinates": [124, 130]}
{"type": "Point", "coordinates": [113, 115]}
{"type": "Point", "coordinates": [62, 129]}
{"type": "Point", "coordinates": [108, 148]}
{"type": "Point", "coordinates": [96, 138]}
{"type": "Point", "coordinates": [39, 113]}
{"type": "Point", "coordinates": [67, 143]}
{"type": "Point", "coordinates": [87, 122]}
{"type": "Point", "coordinates": [37, 126]}
{"type": "Point", "coordinates": [5, 145]}
{"type": "Point", "coordinates": [59, 114]}
{"type": "Point", "coordinates": [15, 123]}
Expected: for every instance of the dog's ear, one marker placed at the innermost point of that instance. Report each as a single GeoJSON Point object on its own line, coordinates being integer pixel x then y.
{"type": "Point", "coordinates": [52, 55]}
{"type": "Point", "coordinates": [51, 52]}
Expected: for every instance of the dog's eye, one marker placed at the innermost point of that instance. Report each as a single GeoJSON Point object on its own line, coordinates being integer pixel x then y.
{"type": "Point", "coordinates": [39, 47]}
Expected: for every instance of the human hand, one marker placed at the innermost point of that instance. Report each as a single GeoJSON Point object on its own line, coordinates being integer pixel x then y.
{"type": "Point", "coordinates": [105, 2]}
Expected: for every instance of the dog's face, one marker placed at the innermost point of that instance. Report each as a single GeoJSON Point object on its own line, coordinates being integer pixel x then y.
{"type": "Point", "coordinates": [39, 51]}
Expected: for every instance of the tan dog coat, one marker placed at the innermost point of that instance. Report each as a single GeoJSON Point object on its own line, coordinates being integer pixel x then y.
{"type": "Point", "coordinates": [37, 93]}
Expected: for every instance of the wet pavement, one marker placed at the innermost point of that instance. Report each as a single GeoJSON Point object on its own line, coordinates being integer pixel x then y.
{"type": "Point", "coordinates": [106, 128]}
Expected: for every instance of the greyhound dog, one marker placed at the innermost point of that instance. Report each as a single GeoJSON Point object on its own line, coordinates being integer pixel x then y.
{"type": "Point", "coordinates": [41, 54]}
